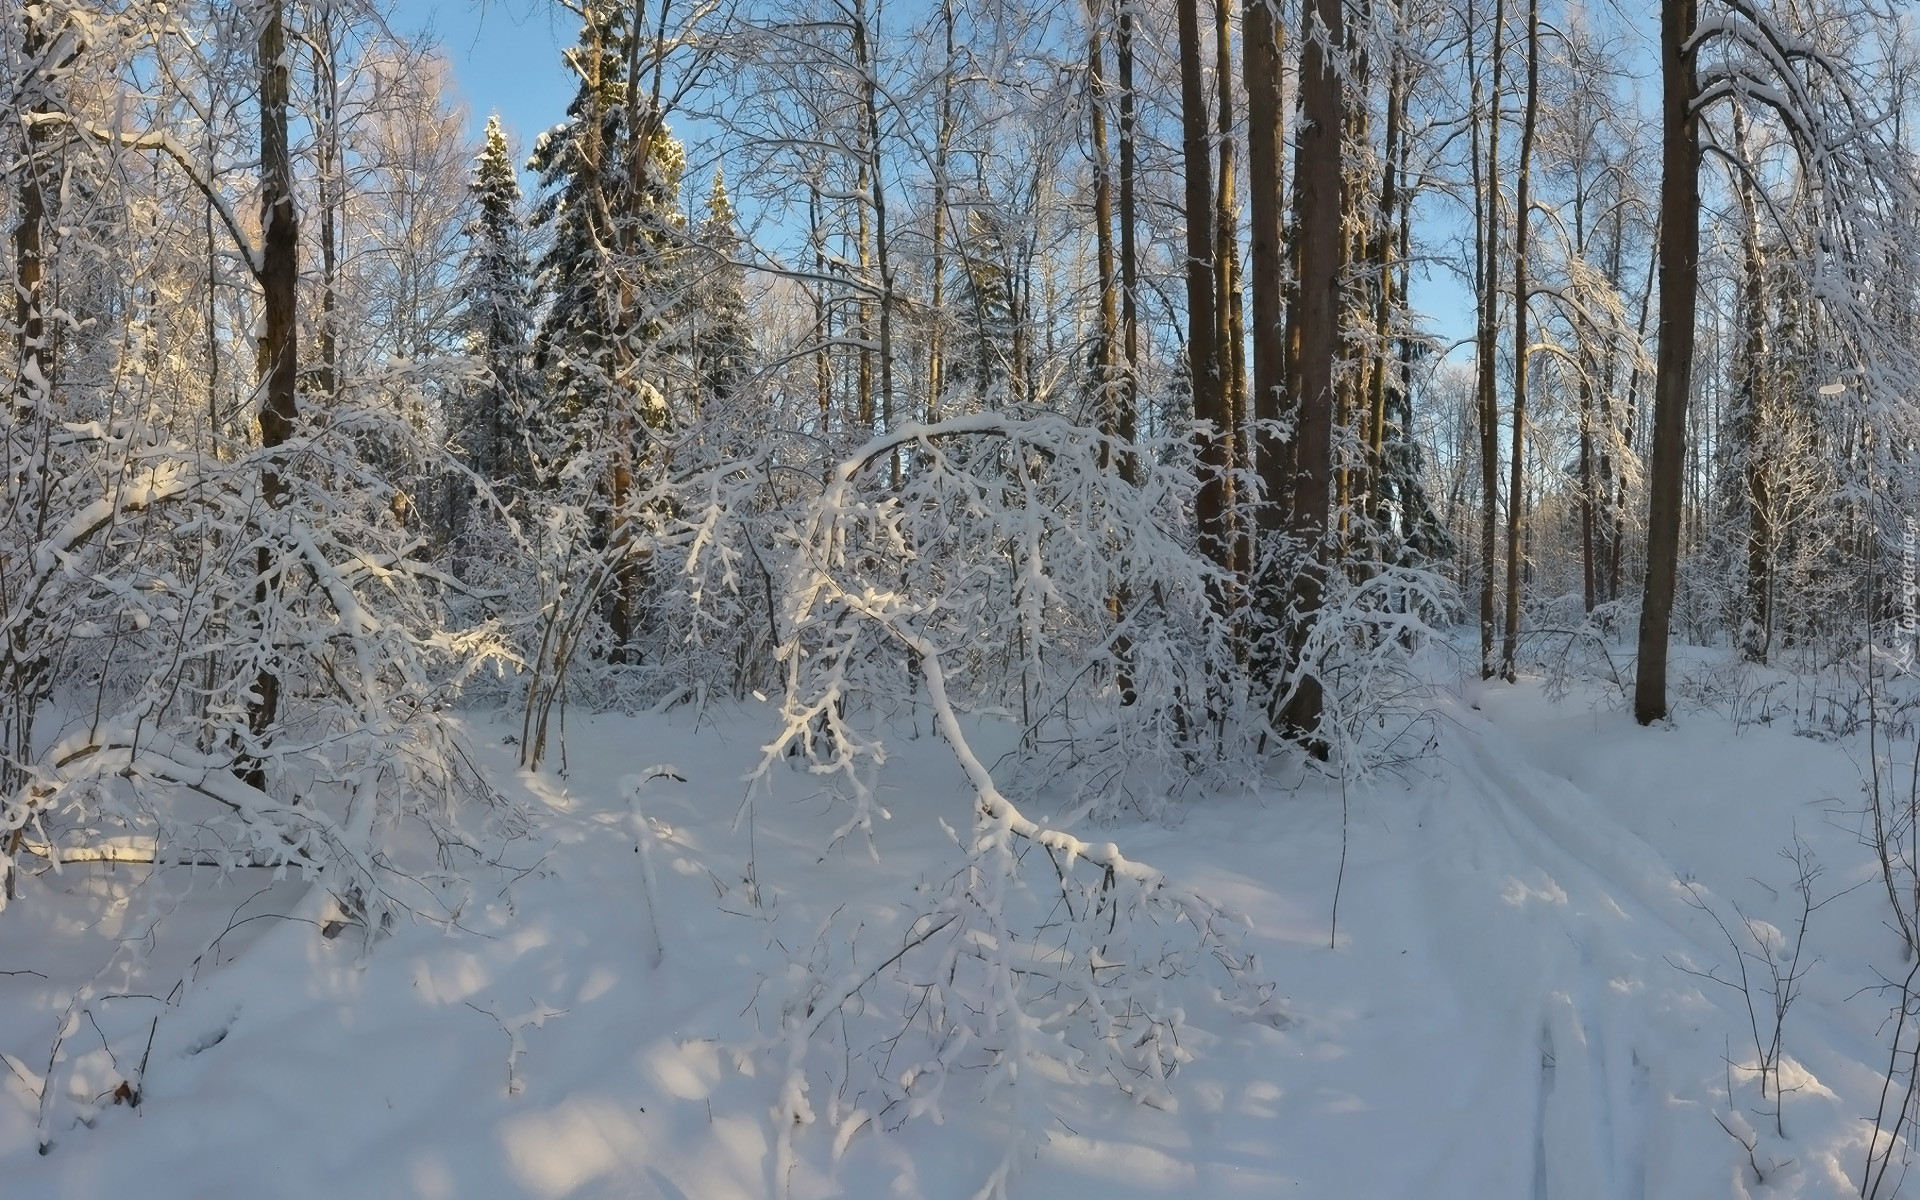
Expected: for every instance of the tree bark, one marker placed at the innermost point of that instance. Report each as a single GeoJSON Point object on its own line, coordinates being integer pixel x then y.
{"type": "Point", "coordinates": [628, 238]}
{"type": "Point", "coordinates": [1266, 264]}
{"type": "Point", "coordinates": [1629, 425]}
{"type": "Point", "coordinates": [33, 380]}
{"type": "Point", "coordinates": [1202, 318]}
{"type": "Point", "coordinates": [943, 141]}
{"type": "Point", "coordinates": [1126, 419]}
{"type": "Point", "coordinates": [1107, 347]}
{"type": "Point", "coordinates": [1486, 342]}
{"type": "Point", "coordinates": [1110, 392]}
{"type": "Point", "coordinates": [864, 412]}
{"type": "Point", "coordinates": [822, 313]}
{"type": "Point", "coordinates": [877, 196]}
{"type": "Point", "coordinates": [1750, 425]}
{"type": "Point", "coordinates": [1673, 379]}
{"type": "Point", "coordinates": [328, 185]}
{"type": "Point", "coordinates": [279, 353]}
{"type": "Point", "coordinates": [1229, 311]}
{"type": "Point", "coordinates": [1384, 362]}
{"type": "Point", "coordinates": [1351, 386]}
{"type": "Point", "coordinates": [1317, 188]}
{"type": "Point", "coordinates": [1516, 490]}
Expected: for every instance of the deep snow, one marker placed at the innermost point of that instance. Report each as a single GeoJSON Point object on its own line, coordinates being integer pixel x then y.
{"type": "Point", "coordinates": [1516, 1004]}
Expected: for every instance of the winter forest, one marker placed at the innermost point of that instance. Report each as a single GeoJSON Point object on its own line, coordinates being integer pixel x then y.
{"type": "Point", "coordinates": [962, 599]}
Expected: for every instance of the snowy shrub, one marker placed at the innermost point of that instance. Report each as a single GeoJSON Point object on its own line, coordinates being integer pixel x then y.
{"type": "Point", "coordinates": [1044, 963]}
{"type": "Point", "coordinates": [1365, 647]}
{"type": "Point", "coordinates": [169, 596]}
{"type": "Point", "coordinates": [1048, 586]}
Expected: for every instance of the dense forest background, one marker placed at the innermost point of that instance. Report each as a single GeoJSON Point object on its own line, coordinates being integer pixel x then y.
{"type": "Point", "coordinates": [1053, 362]}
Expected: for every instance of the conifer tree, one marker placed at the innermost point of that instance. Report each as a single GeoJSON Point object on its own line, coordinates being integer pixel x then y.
{"type": "Point", "coordinates": [609, 273]}
{"type": "Point", "coordinates": [498, 285]}
{"type": "Point", "coordinates": [718, 334]}
{"type": "Point", "coordinates": [614, 278]}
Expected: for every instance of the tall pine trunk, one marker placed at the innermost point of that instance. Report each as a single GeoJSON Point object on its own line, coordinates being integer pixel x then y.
{"type": "Point", "coordinates": [1107, 347]}
{"type": "Point", "coordinates": [1109, 390]}
{"type": "Point", "coordinates": [1317, 191]}
{"type": "Point", "coordinates": [1203, 358]}
{"type": "Point", "coordinates": [1384, 364]}
{"type": "Point", "coordinates": [876, 195]}
{"type": "Point", "coordinates": [1756, 635]}
{"type": "Point", "coordinates": [1126, 418]}
{"type": "Point", "coordinates": [1266, 263]}
{"type": "Point", "coordinates": [1229, 312]}
{"type": "Point", "coordinates": [1673, 378]}
{"type": "Point", "coordinates": [942, 146]}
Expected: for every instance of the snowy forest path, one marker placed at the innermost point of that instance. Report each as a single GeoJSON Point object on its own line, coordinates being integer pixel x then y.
{"type": "Point", "coordinates": [1578, 920]}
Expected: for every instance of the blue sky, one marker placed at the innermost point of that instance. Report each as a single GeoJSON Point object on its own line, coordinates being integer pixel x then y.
{"type": "Point", "coordinates": [505, 56]}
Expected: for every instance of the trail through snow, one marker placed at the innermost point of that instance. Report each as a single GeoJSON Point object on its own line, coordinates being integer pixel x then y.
{"type": "Point", "coordinates": [1505, 1013]}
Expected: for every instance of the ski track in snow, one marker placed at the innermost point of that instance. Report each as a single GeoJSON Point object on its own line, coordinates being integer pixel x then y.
{"type": "Point", "coordinates": [1574, 889]}
{"type": "Point", "coordinates": [1502, 1019]}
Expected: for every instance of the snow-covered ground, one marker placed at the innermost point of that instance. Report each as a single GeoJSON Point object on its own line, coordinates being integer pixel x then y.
{"type": "Point", "coordinates": [1516, 1001]}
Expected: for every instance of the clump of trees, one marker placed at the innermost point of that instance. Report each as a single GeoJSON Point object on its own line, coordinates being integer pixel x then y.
{"type": "Point", "coordinates": [263, 281]}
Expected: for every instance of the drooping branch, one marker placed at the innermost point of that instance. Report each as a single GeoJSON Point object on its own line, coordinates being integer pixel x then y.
{"type": "Point", "coordinates": [167, 144]}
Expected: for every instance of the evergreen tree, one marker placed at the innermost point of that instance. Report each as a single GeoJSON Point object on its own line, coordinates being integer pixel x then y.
{"type": "Point", "coordinates": [718, 332]}
{"type": "Point", "coordinates": [611, 275]}
{"type": "Point", "coordinates": [489, 426]}
{"type": "Point", "coordinates": [614, 277]}
{"type": "Point", "coordinates": [990, 356]}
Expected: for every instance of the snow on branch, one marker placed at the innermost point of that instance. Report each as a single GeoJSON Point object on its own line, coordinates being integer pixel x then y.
{"type": "Point", "coordinates": [1047, 961]}
{"type": "Point", "coordinates": [166, 143]}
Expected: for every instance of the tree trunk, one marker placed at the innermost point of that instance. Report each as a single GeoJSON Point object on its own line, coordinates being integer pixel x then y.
{"type": "Point", "coordinates": [1750, 426]}
{"type": "Point", "coordinates": [1351, 386]}
{"type": "Point", "coordinates": [1629, 425]}
{"type": "Point", "coordinates": [1229, 308]}
{"type": "Point", "coordinates": [1126, 419]}
{"type": "Point", "coordinates": [628, 238]}
{"type": "Point", "coordinates": [278, 361]}
{"type": "Point", "coordinates": [1108, 389]}
{"type": "Point", "coordinates": [1203, 359]}
{"type": "Point", "coordinates": [32, 396]}
{"type": "Point", "coordinates": [943, 141]}
{"type": "Point", "coordinates": [1486, 343]}
{"type": "Point", "coordinates": [1106, 349]}
{"type": "Point", "coordinates": [32, 383]}
{"type": "Point", "coordinates": [1673, 380]}
{"type": "Point", "coordinates": [877, 195]}
{"type": "Point", "coordinates": [1590, 398]}
{"type": "Point", "coordinates": [863, 400]}
{"type": "Point", "coordinates": [822, 314]}
{"type": "Point", "coordinates": [1383, 265]}
{"type": "Point", "coordinates": [328, 185]}
{"type": "Point", "coordinates": [1516, 490]}
{"type": "Point", "coordinates": [1266, 265]}
{"type": "Point", "coordinates": [1586, 479]}
{"type": "Point", "coordinates": [1317, 189]}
